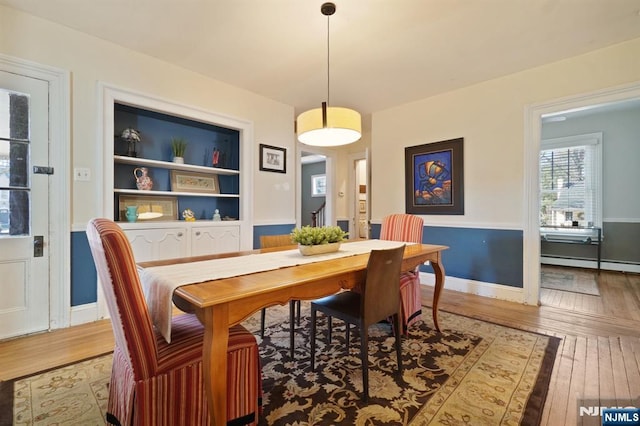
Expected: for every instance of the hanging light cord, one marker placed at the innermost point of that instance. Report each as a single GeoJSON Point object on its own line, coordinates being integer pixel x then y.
{"type": "Point", "coordinates": [328, 47]}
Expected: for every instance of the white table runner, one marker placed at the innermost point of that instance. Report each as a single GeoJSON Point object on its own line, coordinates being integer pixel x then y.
{"type": "Point", "coordinates": [159, 282]}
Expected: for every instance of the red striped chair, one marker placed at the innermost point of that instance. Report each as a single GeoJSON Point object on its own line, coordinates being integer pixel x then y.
{"type": "Point", "coordinates": [153, 382]}
{"type": "Point", "coordinates": [408, 228]}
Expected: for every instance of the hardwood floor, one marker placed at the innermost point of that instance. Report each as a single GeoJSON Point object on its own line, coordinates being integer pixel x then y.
{"type": "Point", "coordinates": [598, 357]}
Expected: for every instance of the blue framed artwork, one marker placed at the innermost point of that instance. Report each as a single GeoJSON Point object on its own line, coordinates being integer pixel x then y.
{"type": "Point", "coordinates": [434, 178]}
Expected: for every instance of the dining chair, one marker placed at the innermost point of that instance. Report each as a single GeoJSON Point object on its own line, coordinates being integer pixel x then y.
{"type": "Point", "coordinates": [378, 299]}
{"type": "Point", "coordinates": [154, 382]}
{"type": "Point", "coordinates": [273, 241]}
{"type": "Point", "coordinates": [407, 228]}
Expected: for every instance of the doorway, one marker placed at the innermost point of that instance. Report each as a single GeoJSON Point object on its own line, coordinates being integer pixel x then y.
{"type": "Point", "coordinates": [533, 136]}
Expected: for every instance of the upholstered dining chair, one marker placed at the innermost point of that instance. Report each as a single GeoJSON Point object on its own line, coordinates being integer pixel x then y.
{"type": "Point", "coordinates": [407, 228]}
{"type": "Point", "coordinates": [154, 382]}
{"type": "Point", "coordinates": [272, 241]}
{"type": "Point", "coordinates": [377, 300]}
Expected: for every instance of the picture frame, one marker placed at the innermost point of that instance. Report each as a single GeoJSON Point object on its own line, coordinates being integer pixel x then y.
{"type": "Point", "coordinates": [434, 178]}
{"type": "Point", "coordinates": [273, 159]}
{"type": "Point", "coordinates": [150, 207]}
{"type": "Point", "coordinates": [318, 185]}
{"type": "Point", "coordinates": [205, 183]}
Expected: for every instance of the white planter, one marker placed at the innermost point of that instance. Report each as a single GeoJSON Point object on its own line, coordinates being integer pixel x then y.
{"type": "Point", "coordinates": [178, 160]}
{"type": "Point", "coordinates": [318, 249]}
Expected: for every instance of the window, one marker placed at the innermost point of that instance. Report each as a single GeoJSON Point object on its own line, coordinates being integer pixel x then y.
{"type": "Point", "coordinates": [570, 181]}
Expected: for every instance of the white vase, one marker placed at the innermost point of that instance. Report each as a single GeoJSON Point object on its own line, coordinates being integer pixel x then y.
{"type": "Point", "coordinates": [318, 249]}
{"type": "Point", "coordinates": [178, 160]}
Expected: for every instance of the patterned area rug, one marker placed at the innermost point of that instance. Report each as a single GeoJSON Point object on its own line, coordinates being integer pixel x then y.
{"type": "Point", "coordinates": [473, 372]}
{"type": "Point", "coordinates": [574, 280]}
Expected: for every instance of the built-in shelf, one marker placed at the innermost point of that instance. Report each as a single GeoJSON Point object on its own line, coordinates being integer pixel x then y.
{"type": "Point", "coordinates": [174, 193]}
{"type": "Point", "coordinates": [137, 161]}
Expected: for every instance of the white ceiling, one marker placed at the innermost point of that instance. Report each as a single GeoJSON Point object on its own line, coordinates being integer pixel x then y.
{"type": "Point", "coordinates": [383, 52]}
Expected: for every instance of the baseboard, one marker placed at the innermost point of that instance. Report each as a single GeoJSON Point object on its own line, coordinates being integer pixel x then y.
{"type": "Point", "coordinates": [496, 291]}
{"type": "Point", "coordinates": [83, 314]}
{"type": "Point", "coordinates": [590, 264]}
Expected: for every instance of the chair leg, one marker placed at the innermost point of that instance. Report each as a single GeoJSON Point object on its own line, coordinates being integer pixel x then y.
{"type": "Point", "coordinates": [397, 327]}
{"type": "Point", "coordinates": [330, 326]}
{"type": "Point", "coordinates": [262, 315]}
{"type": "Point", "coordinates": [292, 326]}
{"type": "Point", "coordinates": [364, 358]}
{"type": "Point", "coordinates": [313, 338]}
{"type": "Point", "coordinates": [347, 335]}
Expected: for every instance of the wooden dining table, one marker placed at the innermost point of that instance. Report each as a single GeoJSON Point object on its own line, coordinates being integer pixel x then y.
{"type": "Point", "coordinates": [222, 303]}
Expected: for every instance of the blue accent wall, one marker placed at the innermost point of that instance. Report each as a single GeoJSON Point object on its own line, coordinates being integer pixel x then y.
{"type": "Point", "coordinates": [487, 255]}
{"type": "Point", "coordinates": [83, 272]}
{"type": "Point", "coordinates": [344, 225]}
{"type": "Point", "coordinates": [270, 230]}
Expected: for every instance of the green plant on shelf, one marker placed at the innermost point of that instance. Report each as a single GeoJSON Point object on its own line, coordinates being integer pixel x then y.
{"type": "Point", "coordinates": [311, 236]}
{"type": "Point", "coordinates": [178, 146]}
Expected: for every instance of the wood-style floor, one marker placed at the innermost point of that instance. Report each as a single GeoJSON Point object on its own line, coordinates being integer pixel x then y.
{"type": "Point", "coordinates": [598, 357]}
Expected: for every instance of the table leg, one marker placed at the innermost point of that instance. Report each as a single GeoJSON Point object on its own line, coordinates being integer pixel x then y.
{"type": "Point", "coordinates": [214, 361]}
{"type": "Point", "coordinates": [438, 269]}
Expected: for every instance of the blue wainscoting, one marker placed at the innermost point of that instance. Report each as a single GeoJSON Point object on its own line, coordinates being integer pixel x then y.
{"type": "Point", "coordinates": [83, 272]}
{"type": "Point", "coordinates": [487, 255]}
{"type": "Point", "coordinates": [270, 230]}
{"type": "Point", "coordinates": [344, 225]}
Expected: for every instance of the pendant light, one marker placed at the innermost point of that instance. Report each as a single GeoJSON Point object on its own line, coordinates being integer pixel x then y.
{"type": "Point", "coordinates": [328, 125]}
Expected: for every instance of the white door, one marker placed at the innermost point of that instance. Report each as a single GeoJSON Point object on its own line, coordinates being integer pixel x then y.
{"type": "Point", "coordinates": [24, 203]}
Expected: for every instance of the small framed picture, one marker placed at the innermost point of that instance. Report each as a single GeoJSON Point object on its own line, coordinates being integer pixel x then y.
{"type": "Point", "coordinates": [182, 181]}
{"type": "Point", "coordinates": [273, 159]}
{"type": "Point", "coordinates": [318, 185]}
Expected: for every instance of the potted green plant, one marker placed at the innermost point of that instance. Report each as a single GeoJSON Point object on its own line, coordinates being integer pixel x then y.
{"type": "Point", "coordinates": [178, 146]}
{"type": "Point", "coordinates": [318, 239]}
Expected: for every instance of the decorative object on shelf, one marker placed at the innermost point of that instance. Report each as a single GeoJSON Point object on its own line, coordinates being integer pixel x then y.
{"type": "Point", "coordinates": [188, 215]}
{"type": "Point", "coordinates": [434, 178]}
{"type": "Point", "coordinates": [178, 147]}
{"type": "Point", "coordinates": [273, 159]}
{"type": "Point", "coordinates": [132, 213]}
{"type": "Point", "coordinates": [318, 239]}
{"type": "Point", "coordinates": [216, 216]}
{"type": "Point", "coordinates": [329, 126]}
{"type": "Point", "coordinates": [131, 136]}
{"type": "Point", "coordinates": [149, 207]}
{"type": "Point", "coordinates": [182, 181]}
{"type": "Point", "coordinates": [143, 180]}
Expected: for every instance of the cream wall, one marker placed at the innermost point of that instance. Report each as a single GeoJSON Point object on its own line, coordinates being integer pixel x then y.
{"type": "Point", "coordinates": [90, 60]}
{"type": "Point", "coordinates": [490, 117]}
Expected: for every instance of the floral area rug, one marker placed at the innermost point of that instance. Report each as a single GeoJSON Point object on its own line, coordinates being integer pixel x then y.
{"type": "Point", "coordinates": [473, 372]}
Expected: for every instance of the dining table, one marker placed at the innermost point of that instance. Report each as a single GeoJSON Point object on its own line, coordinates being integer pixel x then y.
{"type": "Point", "coordinates": [220, 303]}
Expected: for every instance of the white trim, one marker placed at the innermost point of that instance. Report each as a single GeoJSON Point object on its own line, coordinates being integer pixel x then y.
{"type": "Point", "coordinates": [621, 220]}
{"type": "Point", "coordinates": [59, 201]}
{"type": "Point", "coordinates": [480, 288]}
{"type": "Point", "coordinates": [532, 137]}
{"type": "Point", "coordinates": [82, 314]}
{"type": "Point", "coordinates": [470, 225]}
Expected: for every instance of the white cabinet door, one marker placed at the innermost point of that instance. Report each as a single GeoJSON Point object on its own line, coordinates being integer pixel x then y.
{"type": "Point", "coordinates": [214, 239]}
{"type": "Point", "coordinates": [158, 244]}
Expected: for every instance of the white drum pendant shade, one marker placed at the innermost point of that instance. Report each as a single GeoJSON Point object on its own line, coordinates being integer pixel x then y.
{"type": "Point", "coordinates": [344, 126]}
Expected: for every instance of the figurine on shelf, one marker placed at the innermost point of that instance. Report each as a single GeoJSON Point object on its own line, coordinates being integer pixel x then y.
{"type": "Point", "coordinates": [216, 216]}
{"type": "Point", "coordinates": [131, 136]}
{"type": "Point", "coordinates": [187, 215]}
{"type": "Point", "coordinates": [216, 157]}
